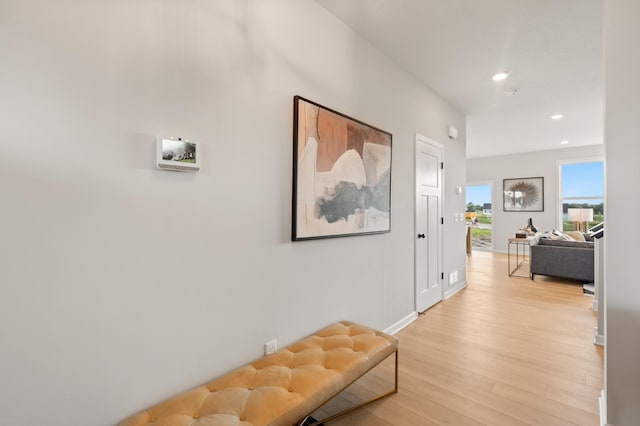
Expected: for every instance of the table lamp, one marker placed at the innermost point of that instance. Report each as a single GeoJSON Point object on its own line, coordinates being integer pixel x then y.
{"type": "Point", "coordinates": [580, 218]}
{"type": "Point", "coordinates": [573, 215]}
{"type": "Point", "coordinates": [586, 216]}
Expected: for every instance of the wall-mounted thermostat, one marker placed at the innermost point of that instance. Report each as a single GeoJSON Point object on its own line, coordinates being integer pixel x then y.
{"type": "Point", "coordinates": [177, 153]}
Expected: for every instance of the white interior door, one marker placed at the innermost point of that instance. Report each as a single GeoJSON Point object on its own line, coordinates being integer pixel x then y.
{"type": "Point", "coordinates": [428, 223]}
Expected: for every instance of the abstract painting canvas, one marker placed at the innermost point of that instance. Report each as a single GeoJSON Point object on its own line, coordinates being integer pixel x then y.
{"type": "Point", "coordinates": [523, 194]}
{"type": "Point", "coordinates": [341, 174]}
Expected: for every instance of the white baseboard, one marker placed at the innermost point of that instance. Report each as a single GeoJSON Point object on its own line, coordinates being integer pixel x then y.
{"type": "Point", "coordinates": [394, 328]}
{"type": "Point", "coordinates": [602, 402]}
{"type": "Point", "coordinates": [598, 339]}
{"type": "Point", "coordinates": [455, 289]}
{"type": "Point", "coordinates": [399, 325]}
{"type": "Point", "coordinates": [594, 306]}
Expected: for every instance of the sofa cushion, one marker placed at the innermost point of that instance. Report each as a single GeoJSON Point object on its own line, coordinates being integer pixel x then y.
{"type": "Point", "coordinates": [555, 235]}
{"type": "Point", "coordinates": [575, 235]}
{"type": "Point", "coordinates": [564, 243]}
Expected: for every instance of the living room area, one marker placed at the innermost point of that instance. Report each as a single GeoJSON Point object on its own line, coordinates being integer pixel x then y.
{"type": "Point", "coordinates": [552, 213]}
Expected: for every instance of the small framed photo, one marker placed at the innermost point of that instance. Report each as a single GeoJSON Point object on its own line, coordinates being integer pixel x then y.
{"type": "Point", "coordinates": [177, 153]}
{"type": "Point", "coordinates": [523, 194]}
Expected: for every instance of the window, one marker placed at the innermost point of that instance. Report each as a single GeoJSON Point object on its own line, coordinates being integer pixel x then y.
{"type": "Point", "coordinates": [581, 187]}
{"type": "Point", "coordinates": [479, 215]}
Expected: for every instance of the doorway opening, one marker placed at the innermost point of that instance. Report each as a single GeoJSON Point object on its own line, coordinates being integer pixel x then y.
{"type": "Point", "coordinates": [479, 215]}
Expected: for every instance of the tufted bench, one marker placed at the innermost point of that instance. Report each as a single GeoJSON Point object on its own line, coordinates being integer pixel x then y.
{"type": "Point", "coordinates": [282, 388]}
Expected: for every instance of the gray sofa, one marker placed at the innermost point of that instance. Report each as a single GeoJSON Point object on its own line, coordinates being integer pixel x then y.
{"type": "Point", "coordinates": [565, 259]}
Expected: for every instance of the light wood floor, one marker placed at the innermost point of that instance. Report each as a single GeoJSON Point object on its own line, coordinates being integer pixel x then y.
{"type": "Point", "coordinates": [504, 351]}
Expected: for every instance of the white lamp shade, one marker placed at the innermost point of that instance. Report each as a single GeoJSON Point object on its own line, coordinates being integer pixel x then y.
{"type": "Point", "coordinates": [574, 215]}
{"type": "Point", "coordinates": [586, 215]}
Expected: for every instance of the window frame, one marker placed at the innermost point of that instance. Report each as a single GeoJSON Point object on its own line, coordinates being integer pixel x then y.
{"type": "Point", "coordinates": [560, 199]}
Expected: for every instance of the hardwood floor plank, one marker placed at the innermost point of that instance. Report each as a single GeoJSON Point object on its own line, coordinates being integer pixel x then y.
{"type": "Point", "coordinates": [468, 407]}
{"type": "Point", "coordinates": [577, 399]}
{"type": "Point", "coordinates": [549, 406]}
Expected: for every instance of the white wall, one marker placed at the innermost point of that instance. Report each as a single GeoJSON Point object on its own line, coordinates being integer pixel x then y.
{"type": "Point", "coordinates": [622, 127]}
{"type": "Point", "coordinates": [454, 232]}
{"type": "Point", "coordinates": [533, 164]}
{"type": "Point", "coordinates": [122, 284]}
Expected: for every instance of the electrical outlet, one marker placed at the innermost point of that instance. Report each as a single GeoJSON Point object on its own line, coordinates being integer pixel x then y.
{"type": "Point", "coordinates": [270, 347]}
{"type": "Point", "coordinates": [453, 277]}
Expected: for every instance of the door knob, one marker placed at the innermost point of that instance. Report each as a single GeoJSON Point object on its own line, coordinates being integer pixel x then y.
{"type": "Point", "coordinates": [421, 236]}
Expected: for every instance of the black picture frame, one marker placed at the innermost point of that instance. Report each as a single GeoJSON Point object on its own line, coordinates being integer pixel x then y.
{"type": "Point", "coordinates": [341, 174]}
{"type": "Point", "coordinates": [523, 194]}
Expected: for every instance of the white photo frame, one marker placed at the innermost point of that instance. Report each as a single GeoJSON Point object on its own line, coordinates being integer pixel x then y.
{"type": "Point", "coordinates": [177, 153]}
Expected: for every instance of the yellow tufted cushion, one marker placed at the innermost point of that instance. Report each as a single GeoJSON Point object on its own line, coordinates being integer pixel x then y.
{"type": "Point", "coordinates": [279, 389]}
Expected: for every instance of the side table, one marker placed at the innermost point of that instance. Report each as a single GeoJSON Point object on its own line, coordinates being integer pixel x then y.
{"type": "Point", "coordinates": [525, 245]}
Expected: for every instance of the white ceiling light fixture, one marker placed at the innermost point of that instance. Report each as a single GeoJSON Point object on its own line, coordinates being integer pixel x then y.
{"type": "Point", "coordinates": [564, 142]}
{"type": "Point", "coordinates": [556, 116]}
{"type": "Point", "coordinates": [500, 76]}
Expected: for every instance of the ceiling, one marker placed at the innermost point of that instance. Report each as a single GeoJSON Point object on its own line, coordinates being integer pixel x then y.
{"type": "Point", "coordinates": [551, 48]}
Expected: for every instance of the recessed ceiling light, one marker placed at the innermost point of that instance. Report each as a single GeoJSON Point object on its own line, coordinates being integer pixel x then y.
{"type": "Point", "coordinates": [500, 76]}
{"type": "Point", "coordinates": [556, 116]}
{"type": "Point", "coordinates": [564, 142]}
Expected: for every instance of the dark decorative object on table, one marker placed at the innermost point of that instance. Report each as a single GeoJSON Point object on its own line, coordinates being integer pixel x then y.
{"type": "Point", "coordinates": [531, 226]}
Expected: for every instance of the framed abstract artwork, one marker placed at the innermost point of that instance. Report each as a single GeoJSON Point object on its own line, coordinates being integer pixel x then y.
{"type": "Point", "coordinates": [523, 194]}
{"type": "Point", "coordinates": [341, 174]}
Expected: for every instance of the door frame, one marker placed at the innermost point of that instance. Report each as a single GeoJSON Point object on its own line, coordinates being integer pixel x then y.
{"type": "Point", "coordinates": [416, 194]}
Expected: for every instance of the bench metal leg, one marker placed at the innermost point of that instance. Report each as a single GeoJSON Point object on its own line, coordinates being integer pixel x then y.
{"type": "Point", "coordinates": [355, 407]}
